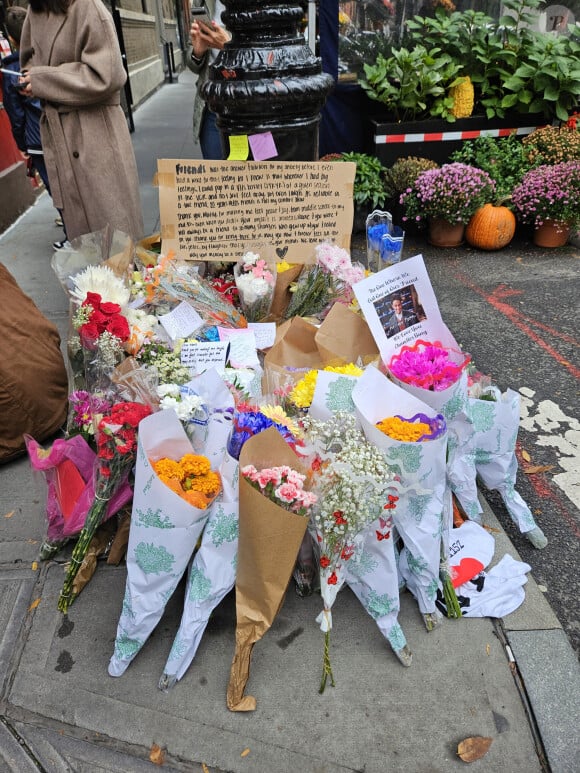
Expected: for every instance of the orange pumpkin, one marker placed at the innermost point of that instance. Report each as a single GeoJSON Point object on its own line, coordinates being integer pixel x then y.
{"type": "Point", "coordinates": [491, 227]}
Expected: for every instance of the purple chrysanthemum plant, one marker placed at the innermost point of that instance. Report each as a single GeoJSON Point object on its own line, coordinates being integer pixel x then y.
{"type": "Point", "coordinates": [453, 192]}
{"type": "Point", "coordinates": [550, 192]}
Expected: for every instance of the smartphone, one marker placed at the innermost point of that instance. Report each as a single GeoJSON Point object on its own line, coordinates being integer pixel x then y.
{"type": "Point", "coordinates": [201, 16]}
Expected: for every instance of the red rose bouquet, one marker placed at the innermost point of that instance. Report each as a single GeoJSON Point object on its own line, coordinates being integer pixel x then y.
{"type": "Point", "coordinates": [116, 437]}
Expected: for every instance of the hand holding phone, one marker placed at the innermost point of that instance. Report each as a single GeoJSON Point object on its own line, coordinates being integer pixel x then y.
{"type": "Point", "coordinates": [201, 16]}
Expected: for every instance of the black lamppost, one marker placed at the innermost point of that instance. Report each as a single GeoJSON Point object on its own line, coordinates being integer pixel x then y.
{"type": "Point", "coordinates": [266, 79]}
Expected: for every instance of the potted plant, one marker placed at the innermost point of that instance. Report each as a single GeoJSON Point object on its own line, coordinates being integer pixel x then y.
{"type": "Point", "coordinates": [447, 197]}
{"type": "Point", "coordinates": [400, 176]}
{"type": "Point", "coordinates": [553, 144]}
{"type": "Point", "coordinates": [521, 79]}
{"type": "Point", "coordinates": [369, 187]}
{"type": "Point", "coordinates": [548, 198]}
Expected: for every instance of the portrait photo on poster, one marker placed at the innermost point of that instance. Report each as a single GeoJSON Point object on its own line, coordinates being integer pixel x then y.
{"type": "Point", "coordinates": [399, 310]}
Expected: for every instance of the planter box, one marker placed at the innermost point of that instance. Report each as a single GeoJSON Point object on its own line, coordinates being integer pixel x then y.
{"type": "Point", "coordinates": [437, 139]}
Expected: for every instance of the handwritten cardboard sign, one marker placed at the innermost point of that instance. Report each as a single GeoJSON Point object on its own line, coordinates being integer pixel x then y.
{"type": "Point", "coordinates": [210, 209]}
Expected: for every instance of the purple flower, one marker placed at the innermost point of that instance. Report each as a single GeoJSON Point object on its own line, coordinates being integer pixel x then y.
{"type": "Point", "coordinates": [452, 192]}
{"type": "Point", "coordinates": [549, 192]}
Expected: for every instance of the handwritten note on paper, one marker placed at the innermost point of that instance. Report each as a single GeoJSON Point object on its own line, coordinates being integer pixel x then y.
{"type": "Point", "coordinates": [239, 150]}
{"type": "Point", "coordinates": [210, 209]}
{"type": "Point", "coordinates": [200, 356]}
{"type": "Point", "coordinates": [265, 333]}
{"type": "Point", "coordinates": [243, 350]}
{"type": "Point", "coordinates": [181, 322]}
{"type": "Point", "coordinates": [263, 146]}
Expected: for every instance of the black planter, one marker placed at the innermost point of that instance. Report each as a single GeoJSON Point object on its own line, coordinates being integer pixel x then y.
{"type": "Point", "coordinates": [438, 139]}
{"type": "Point", "coordinates": [266, 79]}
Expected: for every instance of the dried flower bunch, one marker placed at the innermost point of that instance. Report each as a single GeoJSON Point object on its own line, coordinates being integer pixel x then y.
{"type": "Point", "coordinates": [452, 192]}
{"type": "Point", "coordinates": [549, 192]}
{"type": "Point", "coordinates": [553, 144]}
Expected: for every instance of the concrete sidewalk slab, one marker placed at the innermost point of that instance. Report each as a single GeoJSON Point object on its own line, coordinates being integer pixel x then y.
{"type": "Point", "coordinates": [379, 716]}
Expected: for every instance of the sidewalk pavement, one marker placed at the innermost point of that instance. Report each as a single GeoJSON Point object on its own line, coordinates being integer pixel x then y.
{"type": "Point", "coordinates": [516, 680]}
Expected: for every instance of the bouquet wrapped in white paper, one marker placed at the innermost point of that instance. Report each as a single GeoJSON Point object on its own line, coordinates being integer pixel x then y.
{"type": "Point", "coordinates": [163, 534]}
{"type": "Point", "coordinates": [496, 416]}
{"type": "Point", "coordinates": [435, 374]}
{"type": "Point", "coordinates": [212, 575]}
{"type": "Point", "coordinates": [418, 516]}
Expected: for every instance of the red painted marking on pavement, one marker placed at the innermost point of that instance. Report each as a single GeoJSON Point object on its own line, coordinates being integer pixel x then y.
{"type": "Point", "coordinates": [541, 485]}
{"type": "Point", "coordinates": [516, 318]}
{"type": "Point", "coordinates": [551, 331]}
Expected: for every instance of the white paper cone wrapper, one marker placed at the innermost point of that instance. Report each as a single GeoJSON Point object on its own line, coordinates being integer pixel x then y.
{"type": "Point", "coordinates": [418, 515]}
{"type": "Point", "coordinates": [373, 577]}
{"type": "Point", "coordinates": [210, 437]}
{"type": "Point", "coordinates": [461, 472]}
{"type": "Point", "coordinates": [163, 534]}
{"type": "Point", "coordinates": [496, 426]}
{"type": "Point", "coordinates": [212, 575]}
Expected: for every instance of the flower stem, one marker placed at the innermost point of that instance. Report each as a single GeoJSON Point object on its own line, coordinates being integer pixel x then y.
{"type": "Point", "coordinates": [451, 602]}
{"type": "Point", "coordinates": [93, 520]}
{"type": "Point", "coordinates": [326, 667]}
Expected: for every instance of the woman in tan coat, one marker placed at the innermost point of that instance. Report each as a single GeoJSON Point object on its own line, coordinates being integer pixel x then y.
{"type": "Point", "coordinates": [73, 63]}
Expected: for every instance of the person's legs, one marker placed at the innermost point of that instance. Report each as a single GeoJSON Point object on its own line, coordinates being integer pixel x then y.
{"type": "Point", "coordinates": [209, 136]}
{"type": "Point", "coordinates": [40, 166]}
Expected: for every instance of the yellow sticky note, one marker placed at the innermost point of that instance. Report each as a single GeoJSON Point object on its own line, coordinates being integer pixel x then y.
{"type": "Point", "coordinates": [239, 148]}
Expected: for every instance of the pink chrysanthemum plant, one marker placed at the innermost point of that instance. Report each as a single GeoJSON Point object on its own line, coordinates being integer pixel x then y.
{"type": "Point", "coordinates": [550, 192]}
{"type": "Point", "coordinates": [452, 192]}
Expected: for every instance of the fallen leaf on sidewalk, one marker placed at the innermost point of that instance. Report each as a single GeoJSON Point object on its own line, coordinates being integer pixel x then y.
{"type": "Point", "coordinates": [538, 468]}
{"type": "Point", "coordinates": [245, 753]}
{"type": "Point", "coordinates": [34, 604]}
{"type": "Point", "coordinates": [474, 748]}
{"type": "Point", "coordinates": [204, 767]}
{"type": "Point", "coordinates": [157, 755]}
{"type": "Point", "coordinates": [34, 566]}
{"type": "Point", "coordinates": [10, 514]}
{"type": "Point", "coordinates": [526, 456]}
{"type": "Point", "coordinates": [487, 649]}
{"type": "Point", "coordinates": [492, 529]}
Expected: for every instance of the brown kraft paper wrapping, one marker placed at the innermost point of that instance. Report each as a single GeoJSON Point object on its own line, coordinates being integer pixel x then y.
{"type": "Point", "coordinates": [282, 292]}
{"type": "Point", "coordinates": [345, 337]}
{"type": "Point", "coordinates": [293, 354]}
{"type": "Point", "coordinates": [269, 540]}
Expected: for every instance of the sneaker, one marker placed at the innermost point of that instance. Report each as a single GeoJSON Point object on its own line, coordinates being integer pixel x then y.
{"type": "Point", "coordinates": [58, 221]}
{"type": "Point", "coordinates": [65, 245]}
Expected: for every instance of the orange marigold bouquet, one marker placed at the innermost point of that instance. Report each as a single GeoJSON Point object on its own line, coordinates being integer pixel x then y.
{"type": "Point", "coordinates": [190, 477]}
{"type": "Point", "coordinates": [172, 500]}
